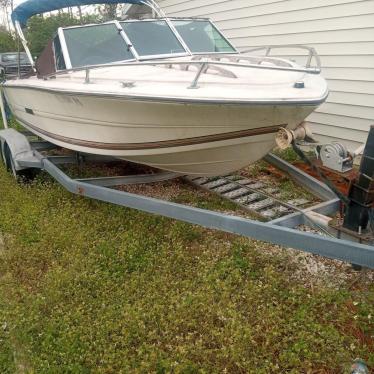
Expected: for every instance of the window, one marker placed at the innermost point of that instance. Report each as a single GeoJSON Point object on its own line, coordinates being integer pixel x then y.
{"type": "Point", "coordinates": [95, 45]}
{"type": "Point", "coordinates": [152, 38]}
{"type": "Point", "coordinates": [202, 37]}
{"type": "Point", "coordinates": [59, 57]}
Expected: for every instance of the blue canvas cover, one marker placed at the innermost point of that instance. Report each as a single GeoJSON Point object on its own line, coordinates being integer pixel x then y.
{"type": "Point", "coordinates": [32, 7]}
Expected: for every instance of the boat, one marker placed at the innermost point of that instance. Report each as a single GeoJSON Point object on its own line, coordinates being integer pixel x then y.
{"type": "Point", "coordinates": [170, 93]}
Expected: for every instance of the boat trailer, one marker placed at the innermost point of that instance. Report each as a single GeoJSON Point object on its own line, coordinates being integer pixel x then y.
{"type": "Point", "coordinates": [350, 239]}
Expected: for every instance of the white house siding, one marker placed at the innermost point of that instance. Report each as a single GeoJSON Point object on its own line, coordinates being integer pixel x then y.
{"type": "Point", "coordinates": [342, 31]}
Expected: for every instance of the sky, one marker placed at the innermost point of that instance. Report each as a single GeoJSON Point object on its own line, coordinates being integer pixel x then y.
{"type": "Point", "coordinates": [2, 13]}
{"type": "Point", "coordinates": [17, 2]}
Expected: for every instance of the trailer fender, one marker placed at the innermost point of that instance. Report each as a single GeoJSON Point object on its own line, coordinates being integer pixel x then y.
{"type": "Point", "coordinates": [18, 144]}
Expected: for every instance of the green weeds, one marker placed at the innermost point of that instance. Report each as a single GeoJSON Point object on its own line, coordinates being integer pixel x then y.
{"type": "Point", "coordinates": [87, 287]}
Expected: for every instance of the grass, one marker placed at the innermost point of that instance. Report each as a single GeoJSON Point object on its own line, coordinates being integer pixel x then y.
{"type": "Point", "coordinates": [289, 190]}
{"type": "Point", "coordinates": [87, 287]}
{"type": "Point", "coordinates": [287, 154]}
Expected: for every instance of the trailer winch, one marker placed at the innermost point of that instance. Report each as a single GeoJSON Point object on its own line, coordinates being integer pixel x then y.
{"type": "Point", "coordinates": [335, 156]}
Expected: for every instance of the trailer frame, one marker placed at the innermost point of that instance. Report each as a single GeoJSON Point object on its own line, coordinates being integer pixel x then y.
{"type": "Point", "coordinates": [26, 155]}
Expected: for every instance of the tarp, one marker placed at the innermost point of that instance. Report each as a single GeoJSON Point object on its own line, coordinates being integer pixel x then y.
{"type": "Point", "coordinates": [32, 7]}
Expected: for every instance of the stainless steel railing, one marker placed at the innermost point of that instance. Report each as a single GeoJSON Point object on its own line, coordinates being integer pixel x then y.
{"type": "Point", "coordinates": [202, 65]}
{"type": "Point", "coordinates": [268, 48]}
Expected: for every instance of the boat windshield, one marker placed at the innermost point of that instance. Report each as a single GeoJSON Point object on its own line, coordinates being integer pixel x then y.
{"type": "Point", "coordinates": [59, 56]}
{"type": "Point", "coordinates": [202, 37]}
{"type": "Point", "coordinates": [153, 38]}
{"type": "Point", "coordinates": [95, 45]}
{"type": "Point", "coordinates": [115, 42]}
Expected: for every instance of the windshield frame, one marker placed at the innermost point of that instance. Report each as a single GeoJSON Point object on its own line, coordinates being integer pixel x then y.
{"type": "Point", "coordinates": [234, 52]}
{"type": "Point", "coordinates": [187, 52]}
{"type": "Point", "coordinates": [132, 48]}
{"type": "Point", "coordinates": [66, 53]}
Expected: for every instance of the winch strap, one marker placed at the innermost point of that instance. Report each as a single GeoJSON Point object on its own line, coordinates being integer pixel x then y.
{"type": "Point", "coordinates": [320, 173]}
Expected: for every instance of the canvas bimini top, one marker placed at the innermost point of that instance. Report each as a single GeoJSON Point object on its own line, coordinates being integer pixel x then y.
{"type": "Point", "coordinates": [32, 7]}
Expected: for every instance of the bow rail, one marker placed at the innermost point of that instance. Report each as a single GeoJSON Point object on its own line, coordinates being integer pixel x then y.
{"type": "Point", "coordinates": [268, 48]}
{"type": "Point", "coordinates": [203, 65]}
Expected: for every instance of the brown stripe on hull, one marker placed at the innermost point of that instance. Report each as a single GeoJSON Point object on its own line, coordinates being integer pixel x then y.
{"type": "Point", "coordinates": [157, 145]}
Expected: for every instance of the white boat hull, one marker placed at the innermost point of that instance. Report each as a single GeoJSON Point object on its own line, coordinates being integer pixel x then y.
{"type": "Point", "coordinates": [184, 137]}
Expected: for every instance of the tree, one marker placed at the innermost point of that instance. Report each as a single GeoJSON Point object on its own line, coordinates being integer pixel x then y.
{"type": "Point", "coordinates": [41, 29]}
{"type": "Point", "coordinates": [5, 5]}
{"type": "Point", "coordinates": [109, 12]}
{"type": "Point", "coordinates": [7, 41]}
{"type": "Point", "coordinates": [80, 14]}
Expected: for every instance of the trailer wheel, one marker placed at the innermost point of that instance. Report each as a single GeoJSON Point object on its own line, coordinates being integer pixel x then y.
{"type": "Point", "coordinates": [25, 175]}
{"type": "Point", "coordinates": [2, 159]}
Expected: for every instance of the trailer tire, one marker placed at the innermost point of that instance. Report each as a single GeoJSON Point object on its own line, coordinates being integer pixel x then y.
{"type": "Point", "coordinates": [2, 159]}
{"type": "Point", "coordinates": [21, 176]}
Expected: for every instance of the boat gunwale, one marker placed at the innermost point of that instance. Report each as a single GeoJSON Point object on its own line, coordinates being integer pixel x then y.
{"type": "Point", "coordinates": [174, 100]}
